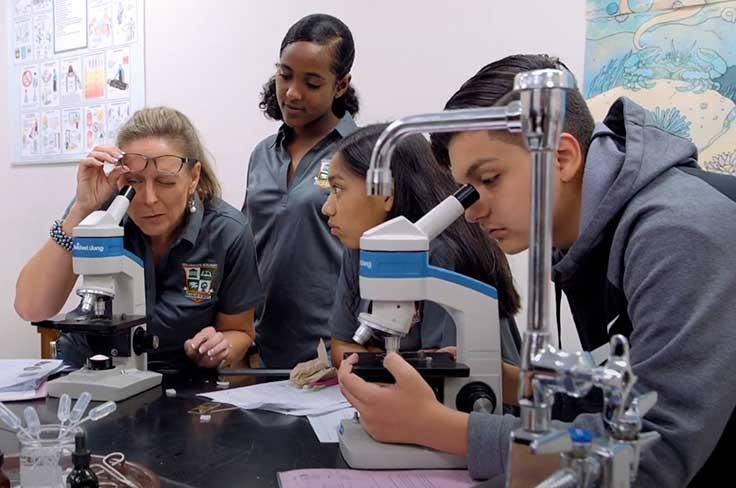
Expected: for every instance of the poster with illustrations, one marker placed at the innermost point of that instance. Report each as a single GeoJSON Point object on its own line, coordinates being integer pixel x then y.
{"type": "Point", "coordinates": [117, 114]}
{"type": "Point", "coordinates": [94, 126]}
{"type": "Point", "coordinates": [94, 76]}
{"type": "Point", "coordinates": [30, 140]}
{"type": "Point", "coordinates": [71, 126]}
{"type": "Point", "coordinates": [76, 74]}
{"type": "Point", "coordinates": [50, 132]}
{"type": "Point", "coordinates": [43, 35]}
{"type": "Point", "coordinates": [22, 7]}
{"type": "Point", "coordinates": [675, 58]}
{"type": "Point", "coordinates": [50, 84]}
{"type": "Point", "coordinates": [71, 81]}
{"type": "Point", "coordinates": [29, 86]}
{"type": "Point", "coordinates": [23, 41]}
{"type": "Point", "coordinates": [118, 73]}
{"type": "Point", "coordinates": [99, 24]}
{"type": "Point", "coordinates": [42, 5]}
{"type": "Point", "coordinates": [125, 27]}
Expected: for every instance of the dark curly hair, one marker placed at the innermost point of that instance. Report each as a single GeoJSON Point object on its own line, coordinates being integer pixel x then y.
{"type": "Point", "coordinates": [324, 30]}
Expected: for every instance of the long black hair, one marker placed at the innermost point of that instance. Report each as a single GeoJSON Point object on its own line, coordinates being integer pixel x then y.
{"type": "Point", "coordinates": [420, 184]}
{"type": "Point", "coordinates": [495, 80]}
{"type": "Point", "coordinates": [324, 30]}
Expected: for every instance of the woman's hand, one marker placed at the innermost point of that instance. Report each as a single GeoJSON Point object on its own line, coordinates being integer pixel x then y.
{"type": "Point", "coordinates": [208, 348]}
{"type": "Point", "coordinates": [94, 187]}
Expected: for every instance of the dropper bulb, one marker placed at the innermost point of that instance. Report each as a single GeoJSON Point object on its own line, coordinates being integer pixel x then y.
{"type": "Point", "coordinates": [9, 418]}
{"type": "Point", "coordinates": [80, 407]}
{"type": "Point", "coordinates": [32, 420]}
{"type": "Point", "coordinates": [65, 405]}
{"type": "Point", "coordinates": [103, 410]}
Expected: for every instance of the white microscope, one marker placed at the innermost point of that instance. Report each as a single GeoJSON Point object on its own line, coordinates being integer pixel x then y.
{"type": "Point", "coordinates": [113, 303]}
{"type": "Point", "coordinates": [394, 274]}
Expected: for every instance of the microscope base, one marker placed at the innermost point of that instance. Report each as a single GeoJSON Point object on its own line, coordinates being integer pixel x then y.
{"type": "Point", "coordinates": [108, 385]}
{"type": "Point", "coordinates": [361, 451]}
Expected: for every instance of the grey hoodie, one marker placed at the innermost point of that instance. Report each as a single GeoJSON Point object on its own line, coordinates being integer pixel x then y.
{"type": "Point", "coordinates": [655, 251]}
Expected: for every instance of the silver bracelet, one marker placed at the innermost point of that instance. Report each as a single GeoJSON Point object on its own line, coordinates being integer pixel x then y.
{"type": "Point", "coordinates": [60, 237]}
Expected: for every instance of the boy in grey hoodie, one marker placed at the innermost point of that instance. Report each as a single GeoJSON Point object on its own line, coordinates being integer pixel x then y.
{"type": "Point", "coordinates": [643, 247]}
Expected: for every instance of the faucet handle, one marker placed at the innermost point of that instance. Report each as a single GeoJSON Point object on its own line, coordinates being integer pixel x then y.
{"type": "Point", "coordinates": [642, 404]}
{"type": "Point", "coordinates": [555, 441]}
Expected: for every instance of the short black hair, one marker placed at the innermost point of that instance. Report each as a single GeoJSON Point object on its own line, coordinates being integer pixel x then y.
{"type": "Point", "coordinates": [494, 81]}
{"type": "Point", "coordinates": [324, 30]}
{"type": "Point", "coordinates": [421, 184]}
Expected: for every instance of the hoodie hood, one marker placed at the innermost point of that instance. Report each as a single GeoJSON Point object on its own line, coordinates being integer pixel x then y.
{"type": "Point", "coordinates": [626, 154]}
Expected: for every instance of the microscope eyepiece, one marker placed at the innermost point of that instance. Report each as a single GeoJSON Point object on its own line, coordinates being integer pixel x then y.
{"type": "Point", "coordinates": [466, 195]}
{"type": "Point", "coordinates": [128, 192]}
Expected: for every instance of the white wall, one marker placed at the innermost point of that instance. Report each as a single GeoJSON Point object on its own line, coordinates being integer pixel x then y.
{"type": "Point", "coordinates": [210, 58]}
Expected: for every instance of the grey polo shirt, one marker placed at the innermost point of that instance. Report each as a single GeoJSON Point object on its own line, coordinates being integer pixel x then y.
{"type": "Point", "coordinates": [298, 258]}
{"type": "Point", "coordinates": [433, 327]}
{"type": "Point", "coordinates": [209, 269]}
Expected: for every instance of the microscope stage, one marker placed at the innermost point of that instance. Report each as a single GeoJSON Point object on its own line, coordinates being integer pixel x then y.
{"type": "Point", "coordinates": [114, 325]}
{"type": "Point", "coordinates": [428, 364]}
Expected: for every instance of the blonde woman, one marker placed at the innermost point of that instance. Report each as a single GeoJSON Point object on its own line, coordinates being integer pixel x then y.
{"type": "Point", "coordinates": [175, 223]}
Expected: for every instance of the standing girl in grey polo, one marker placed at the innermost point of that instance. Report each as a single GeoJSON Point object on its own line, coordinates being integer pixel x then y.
{"type": "Point", "coordinates": [298, 258]}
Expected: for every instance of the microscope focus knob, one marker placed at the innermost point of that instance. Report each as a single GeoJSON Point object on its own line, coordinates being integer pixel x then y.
{"type": "Point", "coordinates": [144, 341]}
{"type": "Point", "coordinates": [476, 396]}
{"type": "Point", "coordinates": [99, 362]}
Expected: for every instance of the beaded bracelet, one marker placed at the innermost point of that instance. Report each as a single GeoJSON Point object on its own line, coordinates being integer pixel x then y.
{"type": "Point", "coordinates": [58, 236]}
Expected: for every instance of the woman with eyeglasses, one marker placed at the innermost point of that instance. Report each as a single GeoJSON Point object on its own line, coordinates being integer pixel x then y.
{"type": "Point", "coordinates": [202, 282]}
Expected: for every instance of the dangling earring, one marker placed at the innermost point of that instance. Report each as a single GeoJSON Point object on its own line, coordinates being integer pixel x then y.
{"type": "Point", "coordinates": [192, 204]}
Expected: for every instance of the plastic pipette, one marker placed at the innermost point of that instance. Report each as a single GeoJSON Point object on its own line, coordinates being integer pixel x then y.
{"type": "Point", "coordinates": [9, 418]}
{"type": "Point", "coordinates": [32, 421]}
{"type": "Point", "coordinates": [65, 407]}
{"type": "Point", "coordinates": [98, 412]}
{"type": "Point", "coordinates": [80, 407]}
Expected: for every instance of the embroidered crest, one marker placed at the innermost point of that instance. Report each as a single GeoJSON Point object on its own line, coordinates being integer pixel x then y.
{"type": "Point", "coordinates": [199, 280]}
{"type": "Point", "coordinates": [324, 171]}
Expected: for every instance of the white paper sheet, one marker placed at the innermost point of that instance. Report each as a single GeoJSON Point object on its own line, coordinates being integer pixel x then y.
{"type": "Point", "coordinates": [348, 478]}
{"type": "Point", "coordinates": [282, 397]}
{"type": "Point", "coordinates": [21, 396]}
{"type": "Point", "coordinates": [326, 426]}
{"type": "Point", "coordinates": [17, 372]}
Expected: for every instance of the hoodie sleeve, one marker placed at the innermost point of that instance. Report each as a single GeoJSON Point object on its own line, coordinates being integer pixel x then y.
{"type": "Point", "coordinates": [488, 443]}
{"type": "Point", "coordinates": [677, 276]}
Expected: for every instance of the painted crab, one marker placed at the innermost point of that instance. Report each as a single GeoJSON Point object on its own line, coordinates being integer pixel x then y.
{"type": "Point", "coordinates": [710, 65]}
{"type": "Point", "coordinates": [637, 69]}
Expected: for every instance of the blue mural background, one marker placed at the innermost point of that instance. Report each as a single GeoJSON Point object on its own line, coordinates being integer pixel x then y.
{"type": "Point", "coordinates": [675, 58]}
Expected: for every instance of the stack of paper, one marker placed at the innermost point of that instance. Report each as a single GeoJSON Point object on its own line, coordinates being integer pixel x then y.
{"type": "Point", "coordinates": [283, 397]}
{"type": "Point", "coordinates": [22, 379]}
{"type": "Point", "coordinates": [311, 478]}
{"type": "Point", "coordinates": [325, 426]}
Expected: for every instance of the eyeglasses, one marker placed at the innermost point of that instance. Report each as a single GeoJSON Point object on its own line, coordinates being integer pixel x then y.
{"type": "Point", "coordinates": [167, 164]}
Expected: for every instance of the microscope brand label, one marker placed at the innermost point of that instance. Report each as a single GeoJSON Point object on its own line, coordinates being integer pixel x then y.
{"type": "Point", "coordinates": [88, 248]}
{"type": "Point", "coordinates": [92, 247]}
{"type": "Point", "coordinates": [199, 280]}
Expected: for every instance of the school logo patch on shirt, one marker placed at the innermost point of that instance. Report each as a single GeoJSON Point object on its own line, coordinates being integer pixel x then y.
{"type": "Point", "coordinates": [199, 280]}
{"type": "Point", "coordinates": [321, 180]}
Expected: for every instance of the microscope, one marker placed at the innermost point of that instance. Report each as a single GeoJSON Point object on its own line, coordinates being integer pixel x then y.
{"type": "Point", "coordinates": [394, 274]}
{"type": "Point", "coordinates": [539, 454]}
{"type": "Point", "coordinates": [113, 306]}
